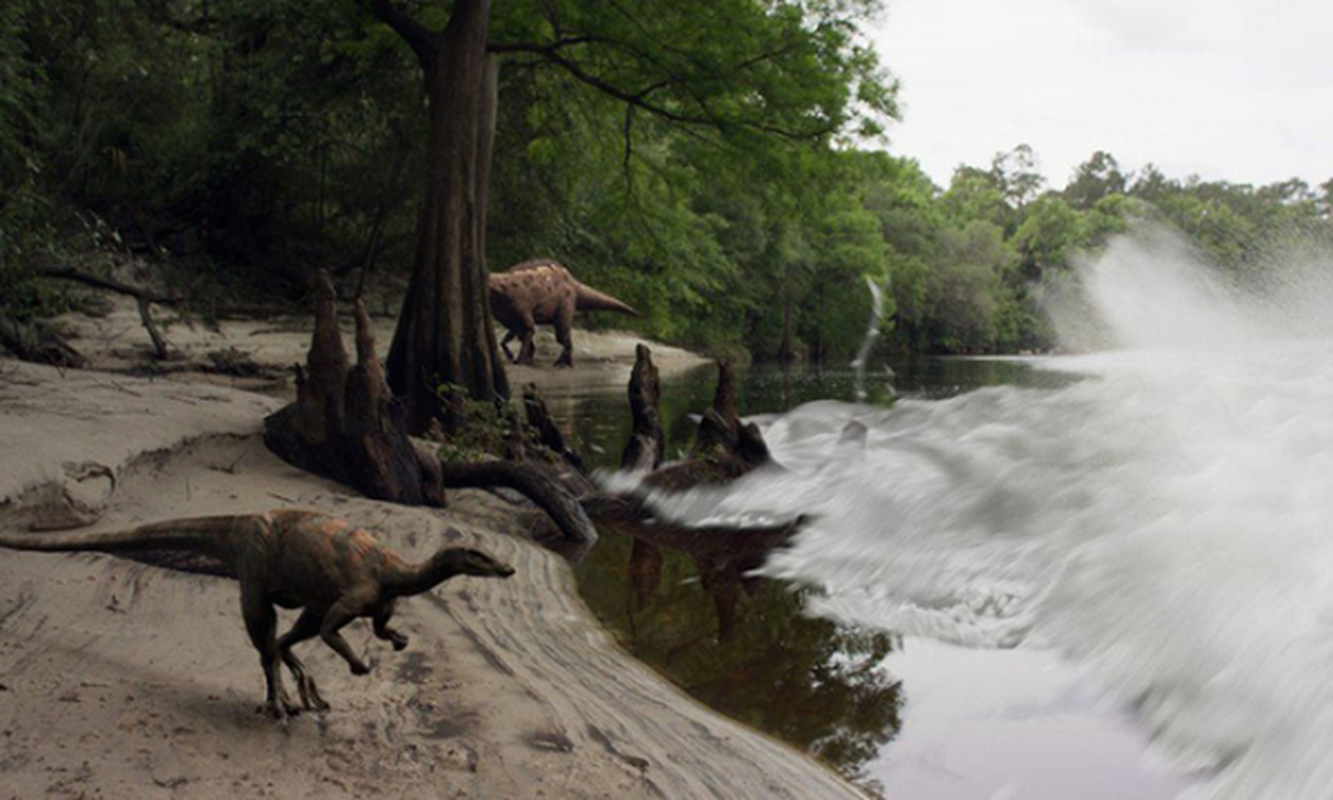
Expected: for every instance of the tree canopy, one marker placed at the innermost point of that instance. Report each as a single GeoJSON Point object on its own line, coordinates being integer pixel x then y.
{"type": "Point", "coordinates": [720, 166]}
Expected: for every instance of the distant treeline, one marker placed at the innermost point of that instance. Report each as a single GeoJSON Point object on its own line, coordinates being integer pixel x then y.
{"type": "Point", "coordinates": [253, 141]}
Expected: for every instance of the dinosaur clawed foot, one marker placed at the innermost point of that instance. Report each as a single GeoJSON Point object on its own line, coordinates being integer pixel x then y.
{"type": "Point", "coordinates": [399, 641]}
{"type": "Point", "coordinates": [310, 698]}
{"type": "Point", "coordinates": [280, 709]}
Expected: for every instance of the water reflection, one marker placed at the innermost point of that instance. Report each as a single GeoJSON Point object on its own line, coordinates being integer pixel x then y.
{"type": "Point", "coordinates": [680, 600]}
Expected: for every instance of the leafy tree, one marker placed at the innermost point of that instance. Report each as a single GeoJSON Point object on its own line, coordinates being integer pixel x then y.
{"type": "Point", "coordinates": [23, 213]}
{"type": "Point", "coordinates": [1095, 179]}
{"type": "Point", "coordinates": [975, 193]}
{"type": "Point", "coordinates": [729, 72]}
{"type": "Point", "coordinates": [1050, 233]}
{"type": "Point", "coordinates": [1015, 173]}
{"type": "Point", "coordinates": [964, 287]}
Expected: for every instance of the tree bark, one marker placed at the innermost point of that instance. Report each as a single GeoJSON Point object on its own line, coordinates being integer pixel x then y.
{"type": "Point", "coordinates": [345, 424]}
{"type": "Point", "coordinates": [445, 336]}
{"type": "Point", "coordinates": [539, 420]}
{"type": "Point", "coordinates": [646, 445]}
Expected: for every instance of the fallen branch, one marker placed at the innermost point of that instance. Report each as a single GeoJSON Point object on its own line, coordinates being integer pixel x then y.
{"type": "Point", "coordinates": [142, 296]}
{"type": "Point", "coordinates": [563, 509]}
{"type": "Point", "coordinates": [96, 281]}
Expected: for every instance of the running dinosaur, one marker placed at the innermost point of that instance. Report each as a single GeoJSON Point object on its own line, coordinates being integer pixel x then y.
{"type": "Point", "coordinates": [542, 292]}
{"type": "Point", "coordinates": [292, 559]}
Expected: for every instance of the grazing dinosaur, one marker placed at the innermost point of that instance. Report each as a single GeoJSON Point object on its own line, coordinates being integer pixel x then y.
{"type": "Point", "coordinates": [542, 292]}
{"type": "Point", "coordinates": [292, 559]}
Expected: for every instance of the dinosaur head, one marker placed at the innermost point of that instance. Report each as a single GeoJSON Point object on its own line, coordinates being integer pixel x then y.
{"type": "Point", "coordinates": [466, 561]}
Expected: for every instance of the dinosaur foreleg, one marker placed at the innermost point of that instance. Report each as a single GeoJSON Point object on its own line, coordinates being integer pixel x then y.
{"type": "Point", "coordinates": [306, 627]}
{"type": "Point", "coordinates": [338, 616]}
{"type": "Point", "coordinates": [383, 631]}
{"type": "Point", "coordinates": [504, 344]}
{"type": "Point", "coordinates": [261, 622]}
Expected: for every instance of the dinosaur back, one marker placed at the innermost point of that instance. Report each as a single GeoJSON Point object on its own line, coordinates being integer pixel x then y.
{"type": "Point", "coordinates": [538, 285]}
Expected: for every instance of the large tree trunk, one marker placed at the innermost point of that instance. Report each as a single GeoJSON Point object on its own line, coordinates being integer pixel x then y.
{"type": "Point", "coordinates": [444, 333]}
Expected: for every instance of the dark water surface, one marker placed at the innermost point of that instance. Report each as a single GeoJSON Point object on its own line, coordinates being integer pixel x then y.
{"type": "Point", "coordinates": [682, 602]}
{"type": "Point", "coordinates": [600, 423]}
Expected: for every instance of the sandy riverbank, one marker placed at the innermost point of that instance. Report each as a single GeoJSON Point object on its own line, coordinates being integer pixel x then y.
{"type": "Point", "coordinates": [116, 341]}
{"type": "Point", "coordinates": [121, 680]}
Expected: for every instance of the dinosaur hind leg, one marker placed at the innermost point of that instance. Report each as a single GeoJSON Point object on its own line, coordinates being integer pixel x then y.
{"type": "Point", "coordinates": [306, 628]}
{"type": "Point", "coordinates": [504, 344]}
{"type": "Point", "coordinates": [564, 323]}
{"type": "Point", "coordinates": [528, 349]}
{"type": "Point", "coordinates": [261, 622]}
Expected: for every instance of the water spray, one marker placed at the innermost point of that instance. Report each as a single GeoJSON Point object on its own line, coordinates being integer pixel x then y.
{"type": "Point", "coordinates": [868, 341]}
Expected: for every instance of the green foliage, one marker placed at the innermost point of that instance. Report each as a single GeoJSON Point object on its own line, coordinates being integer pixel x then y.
{"type": "Point", "coordinates": [1049, 235]}
{"type": "Point", "coordinates": [487, 429]}
{"type": "Point", "coordinates": [705, 162]}
{"type": "Point", "coordinates": [25, 214]}
{"type": "Point", "coordinates": [1095, 180]}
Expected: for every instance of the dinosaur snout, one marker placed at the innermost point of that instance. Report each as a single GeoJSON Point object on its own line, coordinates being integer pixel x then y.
{"type": "Point", "coordinates": [475, 562]}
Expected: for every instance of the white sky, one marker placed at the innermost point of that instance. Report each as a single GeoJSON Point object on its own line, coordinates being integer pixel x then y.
{"type": "Point", "coordinates": [1235, 90]}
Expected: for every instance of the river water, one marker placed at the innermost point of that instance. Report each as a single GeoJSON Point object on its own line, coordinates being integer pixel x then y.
{"type": "Point", "coordinates": [1102, 575]}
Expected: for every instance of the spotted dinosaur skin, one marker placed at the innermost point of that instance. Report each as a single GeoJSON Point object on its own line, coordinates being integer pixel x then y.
{"type": "Point", "coordinates": [543, 292]}
{"type": "Point", "coordinates": [331, 570]}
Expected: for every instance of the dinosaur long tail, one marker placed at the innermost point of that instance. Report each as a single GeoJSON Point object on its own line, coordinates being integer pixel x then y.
{"type": "Point", "coordinates": [589, 299]}
{"type": "Point", "coordinates": [211, 536]}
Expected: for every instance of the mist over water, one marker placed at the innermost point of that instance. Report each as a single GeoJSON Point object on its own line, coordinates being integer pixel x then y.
{"type": "Point", "coordinates": [1168, 519]}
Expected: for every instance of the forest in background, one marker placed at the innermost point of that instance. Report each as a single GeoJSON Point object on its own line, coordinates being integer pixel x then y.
{"type": "Point", "coordinates": [247, 143]}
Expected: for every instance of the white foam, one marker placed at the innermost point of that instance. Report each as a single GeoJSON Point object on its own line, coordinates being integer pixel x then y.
{"type": "Point", "coordinates": [1168, 520]}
